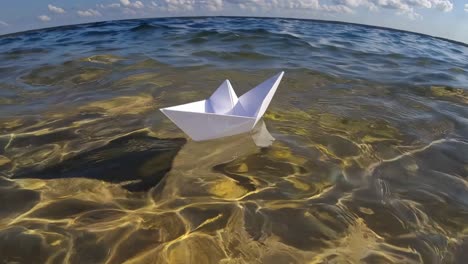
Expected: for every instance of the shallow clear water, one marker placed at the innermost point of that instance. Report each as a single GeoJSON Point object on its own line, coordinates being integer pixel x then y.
{"type": "Point", "coordinates": [370, 161]}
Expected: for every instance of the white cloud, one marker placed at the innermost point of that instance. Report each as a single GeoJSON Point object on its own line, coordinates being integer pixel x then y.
{"type": "Point", "coordinates": [88, 13]}
{"type": "Point", "coordinates": [3, 24]}
{"type": "Point", "coordinates": [178, 5]}
{"type": "Point", "coordinates": [138, 4]}
{"type": "Point", "coordinates": [337, 9]}
{"type": "Point", "coordinates": [214, 5]}
{"type": "Point", "coordinates": [420, 3]}
{"type": "Point", "coordinates": [128, 3]}
{"type": "Point", "coordinates": [444, 5]}
{"type": "Point", "coordinates": [410, 13]}
{"type": "Point", "coordinates": [355, 3]}
{"type": "Point", "coordinates": [56, 9]}
{"type": "Point", "coordinates": [466, 7]}
{"type": "Point", "coordinates": [44, 18]}
{"type": "Point", "coordinates": [393, 4]}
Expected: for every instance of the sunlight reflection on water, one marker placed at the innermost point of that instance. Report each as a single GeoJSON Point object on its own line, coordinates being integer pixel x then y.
{"type": "Point", "coordinates": [362, 156]}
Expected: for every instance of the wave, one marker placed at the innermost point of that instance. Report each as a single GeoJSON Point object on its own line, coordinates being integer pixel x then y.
{"type": "Point", "coordinates": [149, 27]}
{"type": "Point", "coordinates": [237, 55]}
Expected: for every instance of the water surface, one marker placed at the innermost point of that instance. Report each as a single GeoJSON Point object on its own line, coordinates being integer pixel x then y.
{"type": "Point", "coordinates": [369, 165]}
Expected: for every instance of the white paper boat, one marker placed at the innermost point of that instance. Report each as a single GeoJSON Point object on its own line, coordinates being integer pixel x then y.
{"type": "Point", "coordinates": [224, 114]}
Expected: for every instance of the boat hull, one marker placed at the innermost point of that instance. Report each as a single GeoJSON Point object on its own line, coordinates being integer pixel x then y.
{"type": "Point", "coordinates": [205, 126]}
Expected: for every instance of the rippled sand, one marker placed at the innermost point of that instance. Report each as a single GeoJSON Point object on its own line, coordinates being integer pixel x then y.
{"type": "Point", "coordinates": [360, 172]}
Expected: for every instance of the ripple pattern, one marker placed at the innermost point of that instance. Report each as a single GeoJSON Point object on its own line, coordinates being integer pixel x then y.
{"type": "Point", "coordinates": [369, 165]}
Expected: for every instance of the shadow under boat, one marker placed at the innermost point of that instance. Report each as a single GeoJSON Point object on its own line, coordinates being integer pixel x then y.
{"type": "Point", "coordinates": [136, 161]}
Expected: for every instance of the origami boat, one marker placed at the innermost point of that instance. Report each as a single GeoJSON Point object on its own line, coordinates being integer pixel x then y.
{"type": "Point", "coordinates": [224, 114]}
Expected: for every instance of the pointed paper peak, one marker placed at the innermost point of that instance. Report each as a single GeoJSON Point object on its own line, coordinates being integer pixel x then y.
{"type": "Point", "coordinates": [223, 99]}
{"type": "Point", "coordinates": [255, 102]}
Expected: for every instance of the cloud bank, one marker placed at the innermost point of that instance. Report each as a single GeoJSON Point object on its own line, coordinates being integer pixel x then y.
{"type": "Point", "coordinates": [400, 7]}
{"type": "Point", "coordinates": [408, 8]}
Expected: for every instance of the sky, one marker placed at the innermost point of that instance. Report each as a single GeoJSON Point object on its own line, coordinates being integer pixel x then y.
{"type": "Point", "coordinates": [442, 18]}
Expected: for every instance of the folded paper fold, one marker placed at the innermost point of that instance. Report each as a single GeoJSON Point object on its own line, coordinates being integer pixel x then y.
{"type": "Point", "coordinates": [223, 113]}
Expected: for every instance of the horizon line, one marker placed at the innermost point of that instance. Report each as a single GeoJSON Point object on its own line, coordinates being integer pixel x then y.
{"type": "Point", "coordinates": [240, 16]}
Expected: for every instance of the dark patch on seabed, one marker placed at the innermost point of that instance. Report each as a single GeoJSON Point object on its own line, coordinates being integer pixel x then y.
{"type": "Point", "coordinates": [137, 161]}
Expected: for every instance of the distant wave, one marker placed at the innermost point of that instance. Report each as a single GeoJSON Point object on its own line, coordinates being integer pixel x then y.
{"type": "Point", "coordinates": [338, 49]}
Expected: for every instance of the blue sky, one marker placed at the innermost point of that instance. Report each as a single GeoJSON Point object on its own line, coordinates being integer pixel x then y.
{"type": "Point", "coordinates": [443, 18]}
